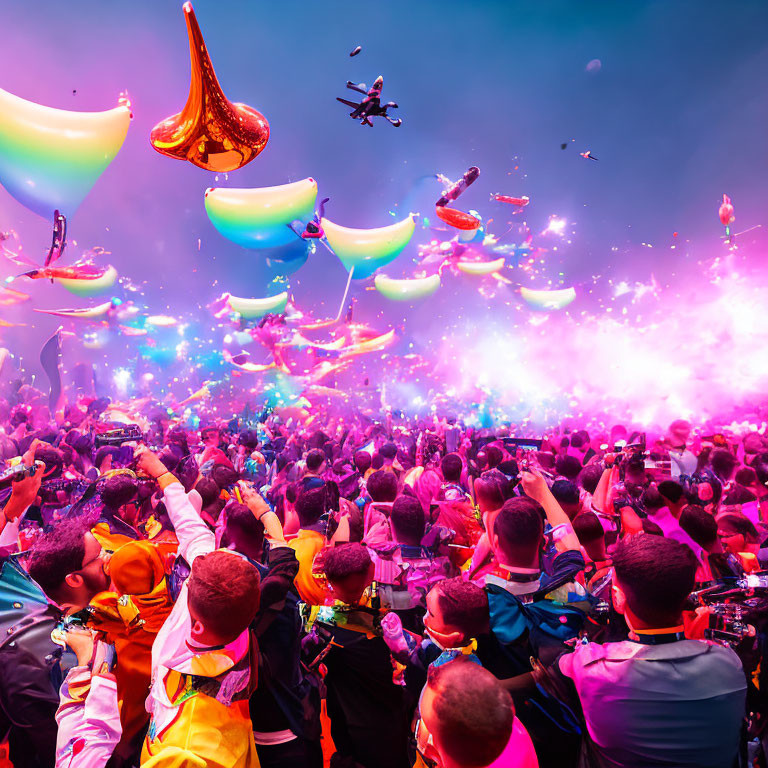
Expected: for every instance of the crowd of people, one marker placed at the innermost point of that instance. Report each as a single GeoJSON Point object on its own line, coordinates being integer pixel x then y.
{"type": "Point", "coordinates": [377, 593]}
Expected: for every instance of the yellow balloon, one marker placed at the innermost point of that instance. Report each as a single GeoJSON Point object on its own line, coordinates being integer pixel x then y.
{"type": "Point", "coordinates": [556, 299]}
{"type": "Point", "coordinates": [259, 217]}
{"type": "Point", "coordinates": [252, 308]}
{"type": "Point", "coordinates": [480, 267]}
{"type": "Point", "coordinates": [368, 249]}
{"type": "Point", "coordinates": [82, 287]}
{"type": "Point", "coordinates": [407, 290]}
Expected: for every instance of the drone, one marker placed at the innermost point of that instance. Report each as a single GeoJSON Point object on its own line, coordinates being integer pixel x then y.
{"type": "Point", "coordinates": [371, 105]}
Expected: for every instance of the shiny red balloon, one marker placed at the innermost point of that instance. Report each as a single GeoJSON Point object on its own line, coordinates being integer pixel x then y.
{"type": "Point", "coordinates": [726, 211]}
{"type": "Point", "coordinates": [210, 131]}
{"type": "Point", "coordinates": [457, 219]}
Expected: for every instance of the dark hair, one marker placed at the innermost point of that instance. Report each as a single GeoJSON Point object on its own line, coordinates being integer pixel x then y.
{"type": "Point", "coordinates": [407, 518]}
{"type": "Point", "coordinates": [652, 498]}
{"type": "Point", "coordinates": [587, 527]}
{"type": "Point", "coordinates": [224, 592]}
{"type": "Point", "coordinates": [356, 524]}
{"type": "Point", "coordinates": [57, 553]}
{"type": "Point", "coordinates": [451, 466]}
{"type": "Point", "coordinates": [82, 443]}
{"type": "Point", "coordinates": [311, 505]}
{"type": "Point", "coordinates": [493, 455]}
{"type": "Point", "coordinates": [475, 715]}
{"type": "Point", "coordinates": [118, 490]}
{"type": "Point", "coordinates": [699, 525]}
{"type": "Point", "coordinates": [745, 476]}
{"type": "Point", "coordinates": [519, 527]}
{"type": "Point", "coordinates": [671, 490]}
{"type": "Point", "coordinates": [240, 517]}
{"type": "Point", "coordinates": [169, 457]}
{"type": "Point", "coordinates": [103, 452]}
{"type": "Point", "coordinates": [723, 462]}
{"type": "Point", "coordinates": [346, 560]}
{"type": "Point", "coordinates": [388, 451]}
{"type": "Point", "coordinates": [208, 490]}
{"type": "Point", "coordinates": [565, 492]}
{"type": "Point", "coordinates": [464, 605]}
{"type": "Point", "coordinates": [249, 438]}
{"type": "Point", "coordinates": [362, 461]}
{"type": "Point", "coordinates": [223, 475]}
{"type": "Point", "coordinates": [738, 494]}
{"type": "Point", "coordinates": [738, 524]}
{"type": "Point", "coordinates": [657, 575]}
{"type": "Point", "coordinates": [314, 459]}
{"type": "Point", "coordinates": [761, 470]}
{"type": "Point", "coordinates": [488, 489]}
{"type": "Point", "coordinates": [568, 466]}
{"type": "Point", "coordinates": [382, 486]}
{"type": "Point", "coordinates": [509, 468]}
{"type": "Point", "coordinates": [577, 440]}
{"type": "Point", "coordinates": [589, 477]}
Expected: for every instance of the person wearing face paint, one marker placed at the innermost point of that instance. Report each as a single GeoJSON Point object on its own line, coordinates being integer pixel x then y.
{"type": "Point", "coordinates": [657, 698]}
{"type": "Point", "coordinates": [203, 660]}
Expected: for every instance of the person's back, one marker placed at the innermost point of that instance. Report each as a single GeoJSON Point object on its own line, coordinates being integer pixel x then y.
{"type": "Point", "coordinates": [203, 661]}
{"type": "Point", "coordinates": [405, 570]}
{"type": "Point", "coordinates": [366, 708]}
{"type": "Point", "coordinates": [532, 614]}
{"type": "Point", "coordinates": [657, 699]}
{"type": "Point", "coordinates": [310, 507]}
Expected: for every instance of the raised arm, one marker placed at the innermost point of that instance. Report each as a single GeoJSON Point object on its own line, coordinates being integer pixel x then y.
{"type": "Point", "coordinates": [195, 538]}
{"type": "Point", "coordinates": [273, 530]}
{"type": "Point", "coordinates": [535, 486]}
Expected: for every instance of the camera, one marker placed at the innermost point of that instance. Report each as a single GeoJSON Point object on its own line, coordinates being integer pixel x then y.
{"type": "Point", "coordinates": [125, 434]}
{"type": "Point", "coordinates": [18, 472]}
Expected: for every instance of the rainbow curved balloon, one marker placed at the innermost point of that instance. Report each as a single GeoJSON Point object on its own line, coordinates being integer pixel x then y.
{"type": "Point", "coordinates": [480, 267]}
{"type": "Point", "coordinates": [51, 158]}
{"type": "Point", "coordinates": [557, 299]}
{"type": "Point", "coordinates": [86, 313]}
{"type": "Point", "coordinates": [408, 289]}
{"type": "Point", "coordinates": [94, 287]}
{"type": "Point", "coordinates": [368, 249]}
{"type": "Point", "coordinates": [254, 308]}
{"type": "Point", "coordinates": [259, 217]}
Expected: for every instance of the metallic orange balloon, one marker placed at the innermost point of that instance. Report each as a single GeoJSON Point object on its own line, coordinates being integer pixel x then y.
{"type": "Point", "coordinates": [210, 131]}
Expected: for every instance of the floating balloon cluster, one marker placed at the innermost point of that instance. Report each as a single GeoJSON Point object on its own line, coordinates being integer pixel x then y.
{"type": "Point", "coordinates": [50, 159]}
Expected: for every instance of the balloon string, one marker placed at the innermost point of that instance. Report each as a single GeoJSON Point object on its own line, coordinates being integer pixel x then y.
{"type": "Point", "coordinates": [346, 293]}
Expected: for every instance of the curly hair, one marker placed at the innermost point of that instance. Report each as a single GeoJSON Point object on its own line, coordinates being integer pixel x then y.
{"type": "Point", "coordinates": [57, 553]}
